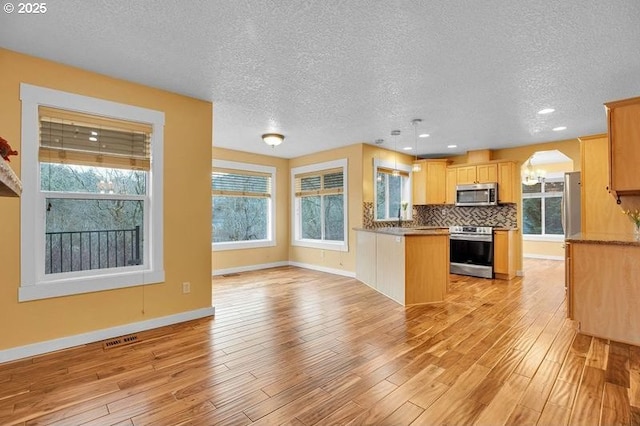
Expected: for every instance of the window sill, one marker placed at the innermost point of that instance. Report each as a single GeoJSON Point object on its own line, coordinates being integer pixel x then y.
{"type": "Point", "coordinates": [68, 287]}
{"type": "Point", "coordinates": [324, 245]}
{"type": "Point", "coordinates": [241, 245]}
{"type": "Point", "coordinates": [543, 238]}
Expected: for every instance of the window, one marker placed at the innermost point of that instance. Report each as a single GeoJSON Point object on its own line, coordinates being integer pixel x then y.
{"type": "Point", "coordinates": [392, 194]}
{"type": "Point", "coordinates": [542, 208]}
{"type": "Point", "coordinates": [319, 205]}
{"type": "Point", "coordinates": [243, 210]}
{"type": "Point", "coordinates": [92, 194]}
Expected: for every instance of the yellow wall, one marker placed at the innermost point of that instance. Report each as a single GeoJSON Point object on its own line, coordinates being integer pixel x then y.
{"type": "Point", "coordinates": [257, 256]}
{"type": "Point", "coordinates": [187, 213]}
{"type": "Point", "coordinates": [553, 249]}
{"type": "Point", "coordinates": [342, 261]}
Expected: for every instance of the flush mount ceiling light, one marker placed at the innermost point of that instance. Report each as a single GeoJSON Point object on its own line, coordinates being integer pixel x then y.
{"type": "Point", "coordinates": [416, 166]}
{"type": "Point", "coordinates": [546, 111]}
{"type": "Point", "coordinates": [273, 139]}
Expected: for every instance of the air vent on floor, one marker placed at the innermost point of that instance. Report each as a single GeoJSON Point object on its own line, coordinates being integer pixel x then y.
{"type": "Point", "coordinates": [120, 341]}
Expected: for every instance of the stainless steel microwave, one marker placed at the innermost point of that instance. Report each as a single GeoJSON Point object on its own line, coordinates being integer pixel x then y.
{"type": "Point", "coordinates": [477, 194]}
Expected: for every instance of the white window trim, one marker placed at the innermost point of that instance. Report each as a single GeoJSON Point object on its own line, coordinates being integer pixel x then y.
{"type": "Point", "coordinates": [295, 208]}
{"type": "Point", "coordinates": [386, 164]}
{"type": "Point", "coordinates": [271, 229]}
{"type": "Point", "coordinates": [34, 284]}
{"type": "Point", "coordinates": [551, 177]}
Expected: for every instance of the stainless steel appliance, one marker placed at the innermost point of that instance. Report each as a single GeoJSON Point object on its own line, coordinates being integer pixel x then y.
{"type": "Point", "coordinates": [571, 216]}
{"type": "Point", "coordinates": [477, 194]}
{"type": "Point", "coordinates": [471, 251]}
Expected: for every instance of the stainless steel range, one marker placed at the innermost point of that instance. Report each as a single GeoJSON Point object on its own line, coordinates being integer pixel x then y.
{"type": "Point", "coordinates": [471, 250]}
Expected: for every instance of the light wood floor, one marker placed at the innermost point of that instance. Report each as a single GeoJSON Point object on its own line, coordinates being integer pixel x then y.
{"type": "Point", "coordinates": [298, 347]}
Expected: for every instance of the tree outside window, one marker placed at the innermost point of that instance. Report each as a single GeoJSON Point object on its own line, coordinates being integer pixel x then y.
{"type": "Point", "coordinates": [542, 207]}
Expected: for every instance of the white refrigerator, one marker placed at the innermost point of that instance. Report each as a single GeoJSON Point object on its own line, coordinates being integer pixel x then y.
{"type": "Point", "coordinates": [571, 204]}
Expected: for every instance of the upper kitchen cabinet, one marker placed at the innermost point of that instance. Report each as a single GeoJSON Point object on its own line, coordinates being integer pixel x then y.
{"type": "Point", "coordinates": [429, 184]}
{"type": "Point", "coordinates": [481, 173]}
{"type": "Point", "coordinates": [623, 119]}
{"type": "Point", "coordinates": [506, 182]}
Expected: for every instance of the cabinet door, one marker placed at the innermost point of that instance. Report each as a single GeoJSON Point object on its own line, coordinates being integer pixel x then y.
{"type": "Point", "coordinates": [487, 173]}
{"type": "Point", "coordinates": [451, 185]}
{"type": "Point", "coordinates": [506, 174]}
{"type": "Point", "coordinates": [436, 182]}
{"type": "Point", "coordinates": [624, 149]}
{"type": "Point", "coordinates": [503, 258]}
{"type": "Point", "coordinates": [500, 252]}
{"type": "Point", "coordinates": [465, 175]}
{"type": "Point", "coordinates": [419, 184]}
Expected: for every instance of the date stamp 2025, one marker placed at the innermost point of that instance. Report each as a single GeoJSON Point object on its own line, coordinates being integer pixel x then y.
{"type": "Point", "coordinates": [26, 8]}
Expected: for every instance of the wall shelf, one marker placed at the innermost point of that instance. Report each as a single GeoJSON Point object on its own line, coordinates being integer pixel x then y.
{"type": "Point", "coordinates": [10, 185]}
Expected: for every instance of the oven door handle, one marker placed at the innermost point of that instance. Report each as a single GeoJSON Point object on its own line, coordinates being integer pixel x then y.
{"type": "Point", "coordinates": [471, 237]}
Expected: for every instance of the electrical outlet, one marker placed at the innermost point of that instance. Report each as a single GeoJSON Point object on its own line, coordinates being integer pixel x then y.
{"type": "Point", "coordinates": [186, 288]}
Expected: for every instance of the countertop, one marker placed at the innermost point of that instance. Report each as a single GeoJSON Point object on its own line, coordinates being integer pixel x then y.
{"type": "Point", "coordinates": [611, 239]}
{"type": "Point", "coordinates": [421, 230]}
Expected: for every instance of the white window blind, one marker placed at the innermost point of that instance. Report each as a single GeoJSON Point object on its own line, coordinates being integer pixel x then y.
{"type": "Point", "coordinates": [84, 139]}
{"type": "Point", "coordinates": [245, 184]}
{"type": "Point", "coordinates": [325, 182]}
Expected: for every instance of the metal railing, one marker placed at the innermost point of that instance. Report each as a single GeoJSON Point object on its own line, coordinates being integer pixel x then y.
{"type": "Point", "coordinates": [85, 250]}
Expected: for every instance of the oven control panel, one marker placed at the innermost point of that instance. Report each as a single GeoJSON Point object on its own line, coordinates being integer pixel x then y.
{"type": "Point", "coordinates": [485, 230]}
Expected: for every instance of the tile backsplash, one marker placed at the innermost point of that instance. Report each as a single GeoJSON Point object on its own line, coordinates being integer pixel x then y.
{"type": "Point", "coordinates": [503, 216]}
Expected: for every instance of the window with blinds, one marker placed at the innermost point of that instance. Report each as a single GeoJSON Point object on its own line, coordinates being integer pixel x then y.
{"type": "Point", "coordinates": [320, 205]}
{"type": "Point", "coordinates": [242, 214]}
{"type": "Point", "coordinates": [69, 137]}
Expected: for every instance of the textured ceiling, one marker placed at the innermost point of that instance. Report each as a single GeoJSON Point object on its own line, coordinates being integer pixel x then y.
{"type": "Point", "coordinates": [333, 73]}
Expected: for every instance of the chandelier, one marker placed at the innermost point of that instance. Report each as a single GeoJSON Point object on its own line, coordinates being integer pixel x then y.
{"type": "Point", "coordinates": [531, 175]}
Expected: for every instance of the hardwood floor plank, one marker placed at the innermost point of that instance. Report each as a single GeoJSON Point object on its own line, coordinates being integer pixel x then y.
{"type": "Point", "coordinates": [588, 403]}
{"type": "Point", "coordinates": [298, 347]}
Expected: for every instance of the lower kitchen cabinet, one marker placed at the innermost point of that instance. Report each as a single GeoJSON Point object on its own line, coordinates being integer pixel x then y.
{"type": "Point", "coordinates": [410, 267]}
{"type": "Point", "coordinates": [603, 289]}
{"type": "Point", "coordinates": [504, 260]}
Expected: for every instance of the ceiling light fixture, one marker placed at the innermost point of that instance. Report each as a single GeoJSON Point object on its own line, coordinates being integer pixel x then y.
{"type": "Point", "coordinates": [273, 139]}
{"type": "Point", "coordinates": [416, 166]}
{"type": "Point", "coordinates": [408, 148]}
{"type": "Point", "coordinates": [423, 135]}
{"type": "Point", "coordinates": [395, 171]}
{"type": "Point", "coordinates": [546, 111]}
{"type": "Point", "coordinates": [532, 176]}
{"type": "Point", "coordinates": [452, 146]}
{"type": "Point", "coordinates": [559, 128]}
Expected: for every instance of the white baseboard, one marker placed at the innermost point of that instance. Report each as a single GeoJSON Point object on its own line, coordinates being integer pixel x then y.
{"type": "Point", "coordinates": [543, 256]}
{"type": "Point", "coordinates": [98, 335]}
{"type": "Point", "coordinates": [249, 268]}
{"type": "Point", "coordinates": [324, 269]}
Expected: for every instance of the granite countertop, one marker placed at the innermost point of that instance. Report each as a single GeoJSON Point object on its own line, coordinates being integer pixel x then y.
{"type": "Point", "coordinates": [421, 230]}
{"type": "Point", "coordinates": [504, 228]}
{"type": "Point", "coordinates": [611, 239]}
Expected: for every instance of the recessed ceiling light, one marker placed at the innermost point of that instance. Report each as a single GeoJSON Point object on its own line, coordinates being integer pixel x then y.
{"type": "Point", "coordinates": [452, 146]}
{"type": "Point", "coordinates": [93, 139]}
{"type": "Point", "coordinates": [408, 148]}
{"type": "Point", "coordinates": [546, 111]}
{"type": "Point", "coordinates": [559, 128]}
{"type": "Point", "coordinates": [94, 133]}
{"type": "Point", "coordinates": [424, 135]}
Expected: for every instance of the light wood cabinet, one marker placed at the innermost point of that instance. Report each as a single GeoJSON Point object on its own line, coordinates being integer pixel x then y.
{"type": "Point", "coordinates": [465, 174]}
{"type": "Point", "coordinates": [568, 277]}
{"type": "Point", "coordinates": [506, 182]}
{"type": "Point", "coordinates": [623, 120]}
{"type": "Point", "coordinates": [429, 184]}
{"type": "Point", "coordinates": [603, 292]}
{"type": "Point", "coordinates": [504, 265]}
{"type": "Point", "coordinates": [486, 173]}
{"type": "Point", "coordinates": [451, 185]}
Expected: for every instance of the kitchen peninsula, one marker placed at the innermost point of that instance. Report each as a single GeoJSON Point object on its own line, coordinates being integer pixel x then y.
{"type": "Point", "coordinates": [602, 285]}
{"type": "Point", "coordinates": [408, 265]}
